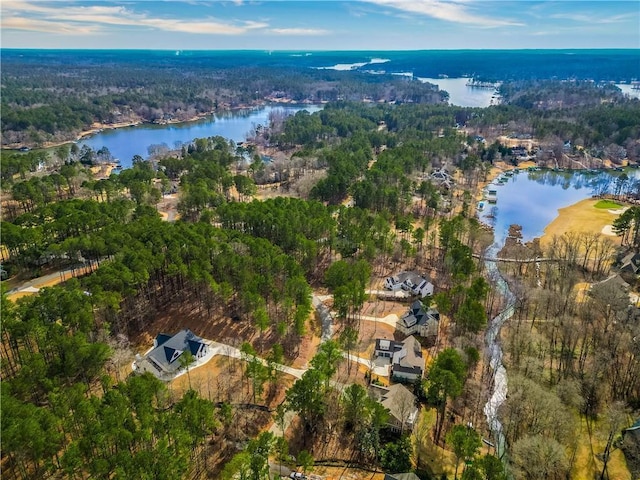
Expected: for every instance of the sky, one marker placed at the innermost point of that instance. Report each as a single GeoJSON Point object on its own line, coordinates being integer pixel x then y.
{"type": "Point", "coordinates": [320, 24]}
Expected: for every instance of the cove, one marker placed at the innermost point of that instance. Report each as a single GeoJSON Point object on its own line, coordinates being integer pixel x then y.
{"type": "Point", "coordinates": [463, 95]}
{"type": "Point", "coordinates": [531, 200]}
{"type": "Point", "coordinates": [124, 143]}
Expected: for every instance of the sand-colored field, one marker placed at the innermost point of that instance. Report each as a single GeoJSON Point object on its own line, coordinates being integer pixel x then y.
{"type": "Point", "coordinates": [46, 281]}
{"type": "Point", "coordinates": [528, 143]}
{"type": "Point", "coordinates": [582, 217]}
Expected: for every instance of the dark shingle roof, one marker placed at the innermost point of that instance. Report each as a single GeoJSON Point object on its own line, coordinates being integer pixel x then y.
{"type": "Point", "coordinates": [169, 348]}
{"type": "Point", "coordinates": [162, 338]}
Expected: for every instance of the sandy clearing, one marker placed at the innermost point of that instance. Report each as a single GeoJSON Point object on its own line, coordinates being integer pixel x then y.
{"type": "Point", "coordinates": [618, 211]}
{"type": "Point", "coordinates": [580, 217]}
{"type": "Point", "coordinates": [608, 230]}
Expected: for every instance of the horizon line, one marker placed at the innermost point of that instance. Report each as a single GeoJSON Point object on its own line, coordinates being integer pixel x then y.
{"type": "Point", "coordinates": [267, 50]}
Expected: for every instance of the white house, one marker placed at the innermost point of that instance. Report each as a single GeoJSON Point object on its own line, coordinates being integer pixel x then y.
{"type": "Point", "coordinates": [410, 282]}
{"type": "Point", "coordinates": [386, 348]}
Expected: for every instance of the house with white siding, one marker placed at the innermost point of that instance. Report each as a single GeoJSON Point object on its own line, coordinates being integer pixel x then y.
{"type": "Point", "coordinates": [163, 360]}
{"type": "Point", "coordinates": [410, 282]}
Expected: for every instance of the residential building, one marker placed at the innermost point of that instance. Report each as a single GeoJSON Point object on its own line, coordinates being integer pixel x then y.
{"type": "Point", "coordinates": [164, 359]}
{"type": "Point", "coordinates": [630, 267]}
{"type": "Point", "coordinates": [420, 321]}
{"type": "Point", "coordinates": [401, 404]}
{"type": "Point", "coordinates": [405, 358]}
{"type": "Point", "coordinates": [386, 348]}
{"type": "Point", "coordinates": [407, 364]}
{"type": "Point", "coordinates": [410, 282]}
{"type": "Point", "coordinates": [442, 178]}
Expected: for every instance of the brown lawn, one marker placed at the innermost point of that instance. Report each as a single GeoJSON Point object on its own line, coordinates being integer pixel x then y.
{"type": "Point", "coordinates": [43, 282]}
{"type": "Point", "coordinates": [580, 217]}
{"type": "Point", "coordinates": [382, 308]}
{"type": "Point", "coordinates": [219, 327]}
{"type": "Point", "coordinates": [222, 379]}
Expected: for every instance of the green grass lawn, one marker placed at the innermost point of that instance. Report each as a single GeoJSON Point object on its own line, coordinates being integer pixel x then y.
{"type": "Point", "coordinates": [606, 204]}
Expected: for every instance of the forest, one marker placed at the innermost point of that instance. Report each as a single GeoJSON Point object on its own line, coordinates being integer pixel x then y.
{"type": "Point", "coordinates": [255, 271]}
{"type": "Point", "coordinates": [41, 104]}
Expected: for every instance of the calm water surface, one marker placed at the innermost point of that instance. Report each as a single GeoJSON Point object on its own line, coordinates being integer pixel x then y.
{"type": "Point", "coordinates": [462, 95]}
{"type": "Point", "coordinates": [532, 199]}
{"type": "Point", "coordinates": [124, 143]}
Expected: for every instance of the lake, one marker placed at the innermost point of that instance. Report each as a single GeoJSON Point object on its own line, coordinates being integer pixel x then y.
{"type": "Point", "coordinates": [124, 143]}
{"type": "Point", "coordinates": [629, 90]}
{"type": "Point", "coordinates": [462, 95]}
{"type": "Point", "coordinates": [532, 199]}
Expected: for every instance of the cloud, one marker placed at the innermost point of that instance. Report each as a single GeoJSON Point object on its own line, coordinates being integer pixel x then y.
{"type": "Point", "coordinates": [46, 26]}
{"type": "Point", "coordinates": [88, 19]}
{"type": "Point", "coordinates": [251, 24]}
{"type": "Point", "coordinates": [456, 12]}
{"type": "Point", "coordinates": [593, 18]}
{"type": "Point", "coordinates": [299, 31]}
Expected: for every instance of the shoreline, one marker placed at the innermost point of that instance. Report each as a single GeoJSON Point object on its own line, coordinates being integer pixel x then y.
{"type": "Point", "coordinates": [581, 217]}
{"type": "Point", "coordinates": [98, 127]}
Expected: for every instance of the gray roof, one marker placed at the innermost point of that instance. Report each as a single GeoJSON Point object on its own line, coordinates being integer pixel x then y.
{"type": "Point", "coordinates": [631, 263]}
{"type": "Point", "coordinates": [401, 476]}
{"type": "Point", "coordinates": [418, 315]}
{"type": "Point", "coordinates": [413, 277]}
{"type": "Point", "coordinates": [169, 348]}
{"type": "Point", "coordinates": [387, 345]}
{"type": "Point", "coordinates": [617, 281]}
{"type": "Point", "coordinates": [399, 401]}
{"type": "Point", "coordinates": [409, 358]}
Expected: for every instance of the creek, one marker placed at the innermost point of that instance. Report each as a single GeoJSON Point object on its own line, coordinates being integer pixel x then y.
{"type": "Point", "coordinates": [531, 200]}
